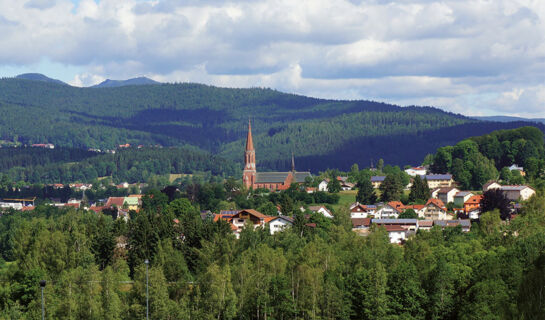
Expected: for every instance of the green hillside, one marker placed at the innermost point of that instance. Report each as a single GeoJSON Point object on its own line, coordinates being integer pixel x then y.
{"type": "Point", "coordinates": [322, 133]}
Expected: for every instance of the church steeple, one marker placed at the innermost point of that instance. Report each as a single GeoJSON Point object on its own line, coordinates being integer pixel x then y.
{"type": "Point", "coordinates": [249, 172]}
{"type": "Point", "coordinates": [292, 162]}
{"type": "Point", "coordinates": [249, 141]}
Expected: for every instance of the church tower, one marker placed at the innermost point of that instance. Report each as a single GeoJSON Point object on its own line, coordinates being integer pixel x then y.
{"type": "Point", "coordinates": [249, 172]}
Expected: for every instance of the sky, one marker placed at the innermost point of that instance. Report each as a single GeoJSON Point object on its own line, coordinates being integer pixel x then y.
{"type": "Point", "coordinates": [475, 57]}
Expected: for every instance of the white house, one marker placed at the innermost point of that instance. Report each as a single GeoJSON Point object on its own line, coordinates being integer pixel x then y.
{"type": "Point", "coordinates": [390, 210]}
{"type": "Point", "coordinates": [447, 194]}
{"type": "Point", "coordinates": [322, 186]}
{"type": "Point", "coordinates": [280, 223]}
{"type": "Point", "coordinates": [514, 193]}
{"type": "Point", "coordinates": [396, 233]}
{"type": "Point", "coordinates": [416, 171]}
{"type": "Point", "coordinates": [491, 185]}
{"type": "Point", "coordinates": [322, 210]}
{"type": "Point", "coordinates": [358, 210]}
{"type": "Point", "coordinates": [434, 210]}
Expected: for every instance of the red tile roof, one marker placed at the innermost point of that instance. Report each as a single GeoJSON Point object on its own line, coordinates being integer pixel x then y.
{"type": "Point", "coordinates": [437, 203]}
{"type": "Point", "coordinates": [474, 199]}
{"type": "Point", "coordinates": [356, 222]}
{"type": "Point", "coordinates": [117, 201]}
{"type": "Point", "coordinates": [394, 227]}
{"type": "Point", "coordinates": [397, 205]}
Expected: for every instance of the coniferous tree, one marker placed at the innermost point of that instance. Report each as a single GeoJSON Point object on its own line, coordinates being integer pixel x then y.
{"type": "Point", "coordinates": [419, 190]}
{"type": "Point", "coordinates": [391, 188]}
{"type": "Point", "coordinates": [366, 192]}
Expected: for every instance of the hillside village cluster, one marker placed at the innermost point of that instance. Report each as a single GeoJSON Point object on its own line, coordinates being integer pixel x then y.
{"type": "Point", "coordinates": [465, 205]}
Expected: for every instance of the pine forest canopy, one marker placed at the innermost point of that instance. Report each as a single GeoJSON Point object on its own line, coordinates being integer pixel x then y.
{"type": "Point", "coordinates": [324, 133]}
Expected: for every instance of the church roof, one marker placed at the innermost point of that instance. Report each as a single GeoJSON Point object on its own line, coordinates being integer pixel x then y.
{"type": "Point", "coordinates": [279, 177]}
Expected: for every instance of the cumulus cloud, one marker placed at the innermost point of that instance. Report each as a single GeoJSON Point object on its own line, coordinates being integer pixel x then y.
{"type": "Point", "coordinates": [463, 56]}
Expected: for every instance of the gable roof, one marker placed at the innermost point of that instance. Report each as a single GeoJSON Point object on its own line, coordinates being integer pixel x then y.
{"type": "Point", "coordinates": [446, 190]}
{"type": "Point", "coordinates": [397, 205]}
{"type": "Point", "coordinates": [514, 188]}
{"type": "Point", "coordinates": [489, 183]}
{"type": "Point", "coordinates": [395, 221]}
{"type": "Point", "coordinates": [436, 202]}
{"type": "Point", "coordinates": [285, 218]}
{"type": "Point", "coordinates": [463, 194]}
{"type": "Point", "coordinates": [117, 201]}
{"type": "Point", "coordinates": [357, 222]}
{"type": "Point", "coordinates": [474, 199]}
{"type": "Point", "coordinates": [377, 178]}
{"type": "Point", "coordinates": [252, 212]}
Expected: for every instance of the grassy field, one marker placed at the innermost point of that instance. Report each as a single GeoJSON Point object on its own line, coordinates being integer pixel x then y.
{"type": "Point", "coordinates": [346, 199]}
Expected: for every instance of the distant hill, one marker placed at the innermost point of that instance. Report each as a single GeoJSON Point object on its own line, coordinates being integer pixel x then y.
{"type": "Point", "coordinates": [121, 83]}
{"type": "Point", "coordinates": [38, 77]}
{"type": "Point", "coordinates": [322, 133]}
{"type": "Point", "coordinates": [509, 119]}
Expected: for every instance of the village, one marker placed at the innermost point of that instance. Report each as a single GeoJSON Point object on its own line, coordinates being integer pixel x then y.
{"type": "Point", "coordinates": [447, 206]}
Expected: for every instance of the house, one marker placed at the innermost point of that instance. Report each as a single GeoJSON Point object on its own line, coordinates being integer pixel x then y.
{"type": "Point", "coordinates": [461, 197]}
{"type": "Point", "coordinates": [407, 224]}
{"type": "Point", "coordinates": [446, 194]}
{"type": "Point", "coordinates": [239, 219]}
{"type": "Point", "coordinates": [416, 171]}
{"type": "Point", "coordinates": [390, 210]}
{"type": "Point", "coordinates": [115, 201]}
{"type": "Point", "coordinates": [310, 189]}
{"type": "Point", "coordinates": [280, 223]}
{"type": "Point", "coordinates": [396, 233]}
{"type": "Point", "coordinates": [322, 186]}
{"type": "Point", "coordinates": [322, 210]}
{"type": "Point", "coordinates": [376, 181]}
{"type": "Point", "coordinates": [416, 207]}
{"type": "Point", "coordinates": [358, 210]}
{"type": "Point", "coordinates": [473, 204]}
{"type": "Point", "coordinates": [514, 167]}
{"type": "Point", "coordinates": [347, 186]}
{"type": "Point", "coordinates": [361, 223]}
{"type": "Point", "coordinates": [464, 223]}
{"type": "Point", "coordinates": [425, 225]}
{"type": "Point", "coordinates": [491, 185]}
{"type": "Point", "coordinates": [434, 209]}
{"type": "Point", "coordinates": [515, 193]}
{"type": "Point", "coordinates": [132, 203]}
{"type": "Point", "coordinates": [438, 180]}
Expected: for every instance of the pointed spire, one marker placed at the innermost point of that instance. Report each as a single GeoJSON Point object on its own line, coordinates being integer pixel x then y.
{"type": "Point", "coordinates": [249, 141]}
{"type": "Point", "coordinates": [292, 162]}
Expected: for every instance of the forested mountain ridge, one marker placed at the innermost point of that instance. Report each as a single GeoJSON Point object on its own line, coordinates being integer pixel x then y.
{"type": "Point", "coordinates": [215, 119]}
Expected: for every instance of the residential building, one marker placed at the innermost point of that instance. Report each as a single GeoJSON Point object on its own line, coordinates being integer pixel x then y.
{"type": "Point", "coordinates": [390, 210]}
{"type": "Point", "coordinates": [358, 210]}
{"type": "Point", "coordinates": [464, 223]}
{"type": "Point", "coordinates": [280, 223]}
{"type": "Point", "coordinates": [376, 181]}
{"type": "Point", "coordinates": [322, 186]}
{"type": "Point", "coordinates": [434, 209]}
{"type": "Point", "coordinates": [446, 194]}
{"type": "Point", "coordinates": [416, 171]}
{"type": "Point", "coordinates": [473, 206]}
{"type": "Point", "coordinates": [515, 193]}
{"type": "Point", "coordinates": [256, 218]}
{"type": "Point", "coordinates": [321, 210]}
{"type": "Point", "coordinates": [461, 197]}
{"type": "Point", "coordinates": [438, 180]}
{"type": "Point", "coordinates": [491, 185]}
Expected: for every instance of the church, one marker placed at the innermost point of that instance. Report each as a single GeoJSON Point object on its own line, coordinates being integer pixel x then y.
{"type": "Point", "coordinates": [268, 180]}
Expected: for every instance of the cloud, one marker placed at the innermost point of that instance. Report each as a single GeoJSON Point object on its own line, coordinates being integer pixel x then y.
{"type": "Point", "coordinates": [461, 55]}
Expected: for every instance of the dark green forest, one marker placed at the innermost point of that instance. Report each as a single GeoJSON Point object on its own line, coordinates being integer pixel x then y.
{"type": "Point", "coordinates": [215, 120]}
{"type": "Point", "coordinates": [94, 267]}
{"type": "Point", "coordinates": [65, 165]}
{"type": "Point", "coordinates": [476, 160]}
